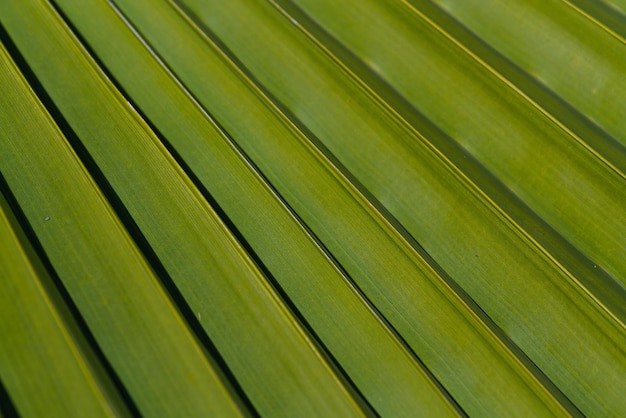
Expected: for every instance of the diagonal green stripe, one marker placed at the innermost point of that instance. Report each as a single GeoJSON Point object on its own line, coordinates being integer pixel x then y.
{"type": "Point", "coordinates": [164, 369]}
{"type": "Point", "coordinates": [45, 366]}
{"type": "Point", "coordinates": [395, 279]}
{"type": "Point", "coordinates": [372, 357]}
{"type": "Point", "coordinates": [253, 330]}
{"type": "Point", "coordinates": [494, 261]}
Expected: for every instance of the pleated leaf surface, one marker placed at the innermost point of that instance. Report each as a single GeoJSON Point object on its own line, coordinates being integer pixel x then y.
{"type": "Point", "coordinates": [312, 208]}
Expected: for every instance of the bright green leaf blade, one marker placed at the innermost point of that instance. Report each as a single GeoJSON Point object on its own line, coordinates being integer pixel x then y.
{"type": "Point", "coordinates": [147, 343]}
{"type": "Point", "coordinates": [497, 266]}
{"type": "Point", "coordinates": [597, 281]}
{"type": "Point", "coordinates": [367, 351]}
{"type": "Point", "coordinates": [609, 14]}
{"type": "Point", "coordinates": [567, 52]}
{"type": "Point", "coordinates": [302, 158]}
{"type": "Point", "coordinates": [259, 339]}
{"type": "Point", "coordinates": [558, 174]}
{"type": "Point", "coordinates": [375, 257]}
{"type": "Point", "coordinates": [46, 368]}
{"type": "Point", "coordinates": [617, 4]}
{"type": "Point", "coordinates": [46, 374]}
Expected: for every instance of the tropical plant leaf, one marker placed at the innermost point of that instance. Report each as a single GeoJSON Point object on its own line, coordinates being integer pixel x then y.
{"type": "Point", "coordinates": [50, 359]}
{"type": "Point", "coordinates": [147, 343]}
{"type": "Point", "coordinates": [375, 359]}
{"type": "Point", "coordinates": [362, 257]}
{"type": "Point", "coordinates": [313, 208]}
{"type": "Point", "coordinates": [610, 14]}
{"type": "Point", "coordinates": [509, 263]}
{"type": "Point", "coordinates": [191, 242]}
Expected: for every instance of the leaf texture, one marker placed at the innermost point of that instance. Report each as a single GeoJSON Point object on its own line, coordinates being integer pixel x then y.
{"type": "Point", "coordinates": [312, 208]}
{"type": "Point", "coordinates": [104, 277]}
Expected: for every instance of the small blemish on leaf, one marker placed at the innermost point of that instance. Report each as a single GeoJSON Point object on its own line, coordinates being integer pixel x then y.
{"type": "Point", "coordinates": [47, 218]}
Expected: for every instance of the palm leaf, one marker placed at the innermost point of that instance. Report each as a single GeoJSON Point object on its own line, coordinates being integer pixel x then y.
{"type": "Point", "coordinates": [313, 208]}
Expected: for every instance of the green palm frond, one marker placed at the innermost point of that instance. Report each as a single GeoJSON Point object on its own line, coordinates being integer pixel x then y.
{"type": "Point", "coordinates": [312, 208]}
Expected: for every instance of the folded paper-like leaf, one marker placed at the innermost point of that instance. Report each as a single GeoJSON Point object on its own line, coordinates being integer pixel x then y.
{"type": "Point", "coordinates": [396, 168]}
{"type": "Point", "coordinates": [313, 208]}
{"type": "Point", "coordinates": [242, 314]}
{"type": "Point", "coordinates": [136, 325]}
{"type": "Point", "coordinates": [369, 352]}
